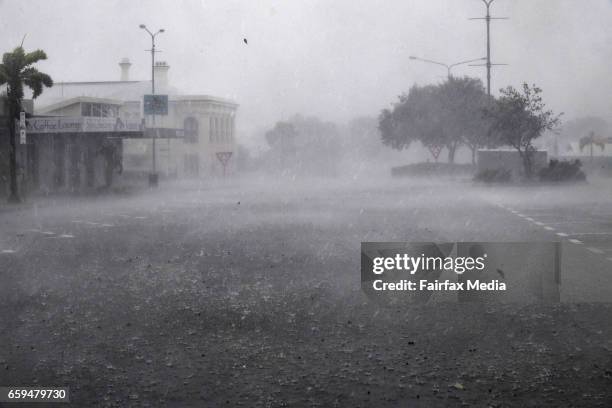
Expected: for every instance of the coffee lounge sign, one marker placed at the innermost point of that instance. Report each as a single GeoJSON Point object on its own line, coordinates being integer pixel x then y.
{"type": "Point", "coordinates": [82, 125]}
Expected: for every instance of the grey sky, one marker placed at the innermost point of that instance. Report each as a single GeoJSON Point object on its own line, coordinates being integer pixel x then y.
{"type": "Point", "coordinates": [335, 59]}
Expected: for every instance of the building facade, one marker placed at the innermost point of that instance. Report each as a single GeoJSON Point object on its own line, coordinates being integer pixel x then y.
{"type": "Point", "coordinates": [187, 139]}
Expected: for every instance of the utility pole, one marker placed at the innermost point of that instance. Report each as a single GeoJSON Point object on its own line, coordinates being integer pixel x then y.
{"type": "Point", "coordinates": [153, 177]}
{"type": "Point", "coordinates": [488, 19]}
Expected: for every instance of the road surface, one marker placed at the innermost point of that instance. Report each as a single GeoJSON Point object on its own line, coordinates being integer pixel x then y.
{"type": "Point", "coordinates": [247, 293]}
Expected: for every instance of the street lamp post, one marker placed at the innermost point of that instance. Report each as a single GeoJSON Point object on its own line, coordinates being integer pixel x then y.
{"type": "Point", "coordinates": [448, 67]}
{"type": "Point", "coordinates": [488, 19]}
{"type": "Point", "coordinates": [153, 178]}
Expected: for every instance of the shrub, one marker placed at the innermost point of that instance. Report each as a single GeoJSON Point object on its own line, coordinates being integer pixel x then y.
{"type": "Point", "coordinates": [494, 176]}
{"type": "Point", "coordinates": [562, 171]}
{"type": "Point", "coordinates": [433, 169]}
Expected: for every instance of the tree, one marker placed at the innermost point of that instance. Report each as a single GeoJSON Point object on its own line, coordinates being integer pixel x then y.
{"type": "Point", "coordinates": [305, 145]}
{"type": "Point", "coordinates": [413, 118]}
{"type": "Point", "coordinates": [16, 71]}
{"type": "Point", "coordinates": [464, 101]}
{"type": "Point", "coordinates": [281, 139]}
{"type": "Point", "coordinates": [591, 140]}
{"type": "Point", "coordinates": [518, 117]}
{"type": "Point", "coordinates": [445, 115]}
{"type": "Point", "coordinates": [318, 145]}
{"type": "Point", "coordinates": [576, 128]}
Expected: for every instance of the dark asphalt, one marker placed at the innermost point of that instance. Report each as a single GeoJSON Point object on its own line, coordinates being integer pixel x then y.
{"type": "Point", "coordinates": [248, 294]}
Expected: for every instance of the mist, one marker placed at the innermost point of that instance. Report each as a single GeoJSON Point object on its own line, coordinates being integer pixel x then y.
{"type": "Point", "coordinates": [225, 225]}
{"type": "Point", "coordinates": [335, 61]}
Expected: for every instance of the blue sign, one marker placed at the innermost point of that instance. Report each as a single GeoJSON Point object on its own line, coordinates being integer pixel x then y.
{"type": "Point", "coordinates": [156, 104]}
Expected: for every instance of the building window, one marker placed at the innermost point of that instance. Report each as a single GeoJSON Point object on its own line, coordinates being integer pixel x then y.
{"type": "Point", "coordinates": [190, 126]}
{"type": "Point", "coordinates": [86, 109]}
{"type": "Point", "coordinates": [216, 130]}
{"type": "Point", "coordinates": [99, 110]}
{"type": "Point", "coordinates": [210, 129]}
{"type": "Point", "coordinates": [225, 130]}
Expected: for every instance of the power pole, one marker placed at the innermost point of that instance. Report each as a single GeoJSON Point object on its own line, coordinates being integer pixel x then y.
{"type": "Point", "coordinates": [153, 177]}
{"type": "Point", "coordinates": [488, 19]}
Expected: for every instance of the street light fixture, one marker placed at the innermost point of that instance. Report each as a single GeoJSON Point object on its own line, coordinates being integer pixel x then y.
{"type": "Point", "coordinates": [448, 67]}
{"type": "Point", "coordinates": [153, 177]}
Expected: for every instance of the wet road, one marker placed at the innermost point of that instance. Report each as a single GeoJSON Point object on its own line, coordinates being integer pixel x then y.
{"type": "Point", "coordinates": [231, 293]}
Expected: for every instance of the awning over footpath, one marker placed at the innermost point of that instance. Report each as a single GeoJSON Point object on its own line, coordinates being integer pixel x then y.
{"type": "Point", "coordinates": [121, 128]}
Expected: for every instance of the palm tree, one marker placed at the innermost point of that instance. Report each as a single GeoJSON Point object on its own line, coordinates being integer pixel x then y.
{"type": "Point", "coordinates": [16, 71]}
{"type": "Point", "coordinates": [591, 140]}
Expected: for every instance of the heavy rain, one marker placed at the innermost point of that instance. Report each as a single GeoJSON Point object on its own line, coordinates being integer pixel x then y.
{"type": "Point", "coordinates": [305, 204]}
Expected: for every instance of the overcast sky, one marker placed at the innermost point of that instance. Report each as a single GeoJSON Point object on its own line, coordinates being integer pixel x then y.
{"type": "Point", "coordinates": [335, 58]}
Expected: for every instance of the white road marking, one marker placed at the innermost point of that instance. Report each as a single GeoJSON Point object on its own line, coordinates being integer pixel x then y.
{"type": "Point", "coordinates": [591, 233]}
{"type": "Point", "coordinates": [575, 241]}
{"type": "Point", "coordinates": [7, 251]}
{"type": "Point", "coordinates": [106, 225]}
{"type": "Point", "coordinates": [91, 223]}
{"type": "Point", "coordinates": [141, 218]}
{"type": "Point", "coordinates": [595, 250]}
{"type": "Point", "coordinates": [562, 234]}
{"type": "Point", "coordinates": [520, 215]}
{"type": "Point", "coordinates": [529, 219]}
{"type": "Point", "coordinates": [549, 228]}
{"type": "Point", "coordinates": [48, 233]}
{"type": "Point", "coordinates": [538, 223]}
{"type": "Point", "coordinates": [570, 222]}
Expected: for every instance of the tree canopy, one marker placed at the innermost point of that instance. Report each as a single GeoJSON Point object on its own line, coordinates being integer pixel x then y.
{"type": "Point", "coordinates": [305, 145]}
{"type": "Point", "coordinates": [518, 117]}
{"type": "Point", "coordinates": [439, 116]}
{"type": "Point", "coordinates": [16, 71]}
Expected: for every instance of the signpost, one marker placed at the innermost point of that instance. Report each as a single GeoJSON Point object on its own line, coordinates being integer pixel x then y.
{"type": "Point", "coordinates": [224, 158]}
{"type": "Point", "coordinates": [22, 128]}
{"type": "Point", "coordinates": [435, 151]}
{"type": "Point", "coordinates": [154, 105]}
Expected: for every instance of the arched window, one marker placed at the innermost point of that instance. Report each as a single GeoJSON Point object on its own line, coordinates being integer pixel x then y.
{"type": "Point", "coordinates": [190, 126]}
